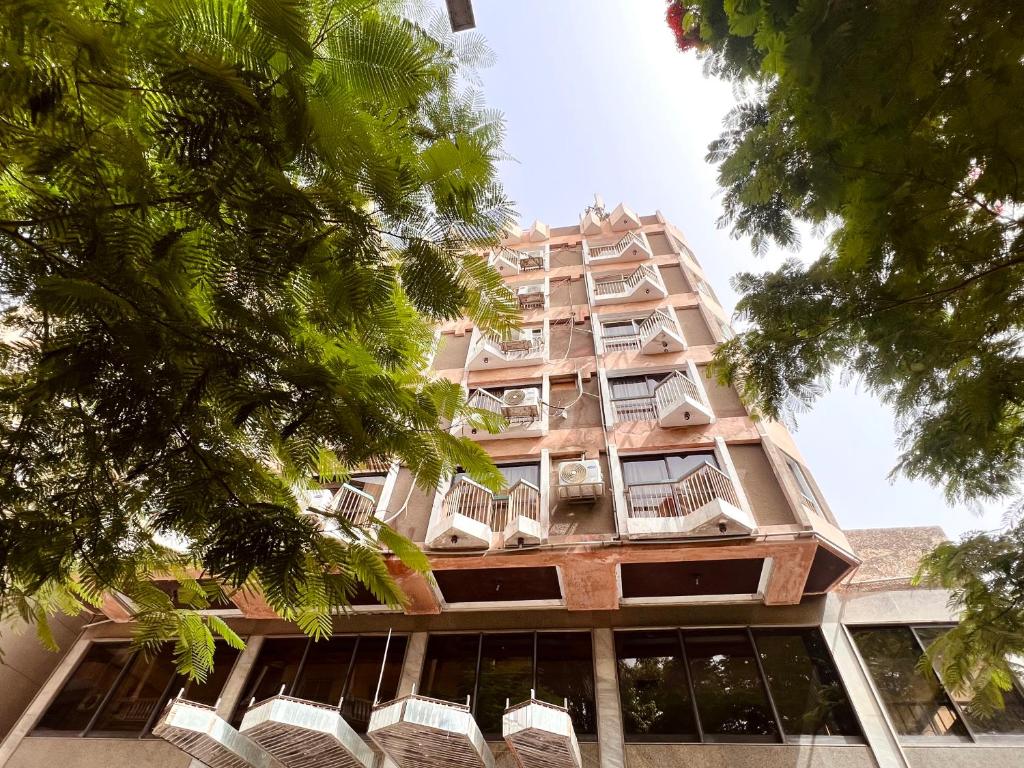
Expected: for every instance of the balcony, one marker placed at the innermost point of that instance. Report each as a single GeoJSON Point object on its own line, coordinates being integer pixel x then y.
{"type": "Point", "coordinates": [676, 402]}
{"type": "Point", "coordinates": [199, 732]}
{"type": "Point", "coordinates": [470, 514]}
{"type": "Point", "coordinates": [419, 732]}
{"type": "Point", "coordinates": [632, 246]}
{"type": "Point", "coordinates": [521, 408]}
{"type": "Point", "coordinates": [702, 503]}
{"type": "Point", "coordinates": [541, 735]}
{"type": "Point", "coordinates": [354, 506]}
{"type": "Point", "coordinates": [657, 333]}
{"type": "Point", "coordinates": [642, 284]}
{"type": "Point", "coordinates": [509, 262]}
{"type": "Point", "coordinates": [489, 352]}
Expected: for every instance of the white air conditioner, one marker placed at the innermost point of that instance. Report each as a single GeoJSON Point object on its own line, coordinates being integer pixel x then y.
{"type": "Point", "coordinates": [521, 402]}
{"type": "Point", "coordinates": [580, 480]}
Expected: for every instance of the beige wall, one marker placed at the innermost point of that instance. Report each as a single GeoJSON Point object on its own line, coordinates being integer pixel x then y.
{"type": "Point", "coordinates": [695, 330]}
{"type": "Point", "coordinates": [724, 400]}
{"type": "Point", "coordinates": [586, 412]}
{"type": "Point", "coordinates": [26, 664]}
{"type": "Point", "coordinates": [660, 244]}
{"type": "Point", "coordinates": [567, 293]}
{"type": "Point", "coordinates": [766, 499]}
{"type": "Point", "coordinates": [565, 257]}
{"type": "Point", "coordinates": [413, 522]}
{"type": "Point", "coordinates": [675, 280]}
{"type": "Point", "coordinates": [452, 352]}
{"type": "Point", "coordinates": [47, 752]}
{"type": "Point", "coordinates": [581, 343]}
{"type": "Point", "coordinates": [966, 756]}
{"type": "Point", "coordinates": [580, 518]}
{"type": "Point", "coordinates": [746, 756]}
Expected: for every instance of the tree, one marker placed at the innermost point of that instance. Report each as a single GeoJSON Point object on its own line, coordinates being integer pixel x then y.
{"type": "Point", "coordinates": [897, 130]}
{"type": "Point", "coordinates": [226, 231]}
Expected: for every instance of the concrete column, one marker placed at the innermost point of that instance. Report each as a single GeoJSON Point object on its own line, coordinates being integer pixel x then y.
{"type": "Point", "coordinates": [609, 712]}
{"type": "Point", "coordinates": [234, 687]}
{"type": "Point", "coordinates": [877, 729]}
{"type": "Point", "coordinates": [37, 707]}
{"type": "Point", "coordinates": [415, 652]}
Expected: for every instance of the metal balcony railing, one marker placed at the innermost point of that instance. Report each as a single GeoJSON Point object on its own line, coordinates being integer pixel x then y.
{"type": "Point", "coordinates": [514, 349]}
{"type": "Point", "coordinates": [667, 395]}
{"type": "Point", "coordinates": [469, 499]}
{"type": "Point", "coordinates": [617, 249]}
{"type": "Point", "coordinates": [678, 498]}
{"type": "Point", "coordinates": [523, 500]}
{"type": "Point", "coordinates": [627, 284]}
{"type": "Point", "coordinates": [349, 503]}
{"type": "Point", "coordinates": [484, 400]}
{"type": "Point", "coordinates": [657, 321]}
{"type": "Point", "coordinates": [634, 409]}
{"type": "Point", "coordinates": [531, 260]}
{"type": "Point", "coordinates": [621, 343]}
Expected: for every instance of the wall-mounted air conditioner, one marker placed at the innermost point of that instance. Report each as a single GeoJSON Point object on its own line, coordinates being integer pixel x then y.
{"type": "Point", "coordinates": [580, 480]}
{"type": "Point", "coordinates": [521, 403]}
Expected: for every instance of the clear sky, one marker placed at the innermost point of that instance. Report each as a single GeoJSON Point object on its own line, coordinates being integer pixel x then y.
{"type": "Point", "coordinates": [597, 99]}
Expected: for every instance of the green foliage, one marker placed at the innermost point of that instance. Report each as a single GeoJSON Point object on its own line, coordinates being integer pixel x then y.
{"type": "Point", "coordinates": [226, 231]}
{"type": "Point", "coordinates": [896, 129]}
{"type": "Point", "coordinates": [984, 574]}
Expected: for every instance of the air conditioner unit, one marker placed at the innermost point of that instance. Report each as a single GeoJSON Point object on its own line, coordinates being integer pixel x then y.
{"type": "Point", "coordinates": [580, 480]}
{"type": "Point", "coordinates": [517, 403]}
{"type": "Point", "coordinates": [531, 295]}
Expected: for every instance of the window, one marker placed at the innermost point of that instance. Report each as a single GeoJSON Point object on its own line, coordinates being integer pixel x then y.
{"type": "Point", "coordinates": [619, 328]}
{"type": "Point", "coordinates": [663, 469]}
{"type": "Point", "coordinates": [916, 701]}
{"type": "Point", "coordinates": [116, 691]}
{"type": "Point", "coordinates": [635, 386]}
{"type": "Point", "coordinates": [513, 473]}
{"type": "Point", "coordinates": [490, 668]}
{"type": "Point", "coordinates": [341, 671]}
{"type": "Point", "coordinates": [801, 481]}
{"type": "Point", "coordinates": [730, 685]}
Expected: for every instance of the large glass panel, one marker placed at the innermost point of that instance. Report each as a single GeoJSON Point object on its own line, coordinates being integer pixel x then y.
{"type": "Point", "coordinates": [136, 696]}
{"type": "Point", "coordinates": [506, 673]}
{"type": "Point", "coordinates": [369, 668]}
{"type": "Point", "coordinates": [664, 468]}
{"type": "Point", "coordinates": [635, 386]}
{"type": "Point", "coordinates": [1009, 720]}
{"type": "Point", "coordinates": [208, 691]}
{"type": "Point", "coordinates": [804, 683]}
{"type": "Point", "coordinates": [449, 668]}
{"type": "Point", "coordinates": [619, 328]}
{"type": "Point", "coordinates": [655, 698]}
{"type": "Point", "coordinates": [915, 701]}
{"type": "Point", "coordinates": [324, 674]}
{"type": "Point", "coordinates": [687, 462]}
{"type": "Point", "coordinates": [513, 473]}
{"type": "Point", "coordinates": [565, 670]}
{"type": "Point", "coordinates": [731, 699]}
{"type": "Point", "coordinates": [276, 667]}
{"type": "Point", "coordinates": [74, 706]}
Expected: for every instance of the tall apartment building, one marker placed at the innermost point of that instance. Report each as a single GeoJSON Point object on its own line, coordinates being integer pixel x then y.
{"type": "Point", "coordinates": [661, 582]}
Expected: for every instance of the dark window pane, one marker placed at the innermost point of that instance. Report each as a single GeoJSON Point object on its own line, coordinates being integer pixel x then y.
{"type": "Point", "coordinates": [207, 692]}
{"type": "Point", "coordinates": [652, 687]}
{"type": "Point", "coordinates": [449, 668]}
{"type": "Point", "coordinates": [731, 700]}
{"type": "Point", "coordinates": [1009, 720]}
{"type": "Point", "coordinates": [74, 706]}
{"type": "Point", "coordinates": [323, 675]}
{"type": "Point", "coordinates": [916, 702]}
{"type": "Point", "coordinates": [804, 683]}
{"type": "Point", "coordinates": [366, 671]}
{"type": "Point", "coordinates": [565, 670]}
{"type": "Point", "coordinates": [513, 473]}
{"type": "Point", "coordinates": [276, 666]}
{"type": "Point", "coordinates": [619, 328]}
{"type": "Point", "coordinates": [681, 465]}
{"type": "Point", "coordinates": [506, 672]}
{"type": "Point", "coordinates": [137, 695]}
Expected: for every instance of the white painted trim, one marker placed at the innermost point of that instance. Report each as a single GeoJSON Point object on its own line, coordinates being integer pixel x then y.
{"type": "Point", "coordinates": [725, 459]}
{"type": "Point", "coordinates": [691, 600]}
{"type": "Point", "coordinates": [618, 492]}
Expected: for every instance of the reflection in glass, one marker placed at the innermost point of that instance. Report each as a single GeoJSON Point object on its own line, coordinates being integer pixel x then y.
{"type": "Point", "coordinates": [652, 687]}
{"type": "Point", "coordinates": [731, 700]}
{"type": "Point", "coordinates": [805, 685]}
{"type": "Point", "coordinates": [565, 670]}
{"type": "Point", "coordinates": [366, 671]}
{"type": "Point", "coordinates": [449, 668]}
{"type": "Point", "coordinates": [323, 675]}
{"type": "Point", "coordinates": [277, 666]}
{"type": "Point", "coordinates": [915, 701]}
{"type": "Point", "coordinates": [1008, 720]}
{"type": "Point", "coordinates": [74, 706]}
{"type": "Point", "coordinates": [506, 673]}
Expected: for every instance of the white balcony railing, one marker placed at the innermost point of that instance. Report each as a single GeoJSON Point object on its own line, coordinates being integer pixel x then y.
{"type": "Point", "coordinates": [638, 283]}
{"type": "Point", "coordinates": [659, 332]}
{"type": "Point", "coordinates": [348, 503]}
{"type": "Point", "coordinates": [470, 513]}
{"type": "Point", "coordinates": [515, 425]}
{"type": "Point", "coordinates": [682, 497]}
{"type": "Point", "coordinates": [522, 501]}
{"type": "Point", "coordinates": [493, 352]}
{"type": "Point", "coordinates": [632, 245]}
{"type": "Point", "coordinates": [676, 401]}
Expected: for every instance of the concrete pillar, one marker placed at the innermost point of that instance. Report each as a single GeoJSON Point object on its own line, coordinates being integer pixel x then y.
{"type": "Point", "coordinates": [412, 669]}
{"type": "Point", "coordinates": [878, 731]}
{"type": "Point", "coordinates": [37, 707]}
{"type": "Point", "coordinates": [609, 712]}
{"type": "Point", "coordinates": [234, 686]}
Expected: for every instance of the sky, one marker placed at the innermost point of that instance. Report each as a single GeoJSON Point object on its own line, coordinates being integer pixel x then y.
{"type": "Point", "coordinates": [596, 98]}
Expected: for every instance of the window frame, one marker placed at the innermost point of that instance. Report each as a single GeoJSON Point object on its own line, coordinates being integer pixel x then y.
{"type": "Point", "coordinates": [783, 738]}
{"type": "Point", "coordinates": [972, 737]}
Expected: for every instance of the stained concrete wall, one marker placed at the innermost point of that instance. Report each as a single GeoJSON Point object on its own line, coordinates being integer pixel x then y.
{"type": "Point", "coordinates": [747, 756]}
{"type": "Point", "coordinates": [452, 352]}
{"type": "Point", "coordinates": [584, 412]}
{"type": "Point", "coordinates": [966, 756]}
{"type": "Point", "coordinates": [38, 751]}
{"type": "Point", "coordinates": [566, 257]}
{"type": "Point", "coordinates": [26, 663]}
{"type": "Point", "coordinates": [695, 330]}
{"type": "Point", "coordinates": [579, 342]}
{"type": "Point", "coordinates": [413, 522]}
{"type": "Point", "coordinates": [762, 488]}
{"type": "Point", "coordinates": [580, 518]}
{"type": "Point", "coordinates": [567, 293]}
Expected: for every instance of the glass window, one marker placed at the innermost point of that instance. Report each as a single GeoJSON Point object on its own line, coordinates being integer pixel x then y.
{"type": "Point", "coordinates": [1007, 721]}
{"type": "Point", "coordinates": [619, 328]}
{"type": "Point", "coordinates": [804, 683]}
{"type": "Point", "coordinates": [325, 670]}
{"type": "Point", "coordinates": [731, 699]}
{"type": "Point", "coordinates": [801, 480]}
{"type": "Point", "coordinates": [82, 694]}
{"type": "Point", "coordinates": [116, 691]}
{"type": "Point", "coordinates": [366, 671]}
{"type": "Point", "coordinates": [650, 469]}
{"type": "Point", "coordinates": [513, 473]}
{"type": "Point", "coordinates": [914, 699]}
{"type": "Point", "coordinates": [449, 669]}
{"type": "Point", "coordinates": [653, 689]}
{"type": "Point", "coordinates": [274, 672]}
{"type": "Point", "coordinates": [506, 673]}
{"type": "Point", "coordinates": [565, 674]}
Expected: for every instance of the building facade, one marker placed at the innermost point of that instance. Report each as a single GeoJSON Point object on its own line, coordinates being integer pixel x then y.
{"type": "Point", "coordinates": [661, 572]}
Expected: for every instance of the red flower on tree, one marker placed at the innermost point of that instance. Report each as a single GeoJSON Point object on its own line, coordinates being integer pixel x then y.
{"type": "Point", "coordinates": [675, 15]}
